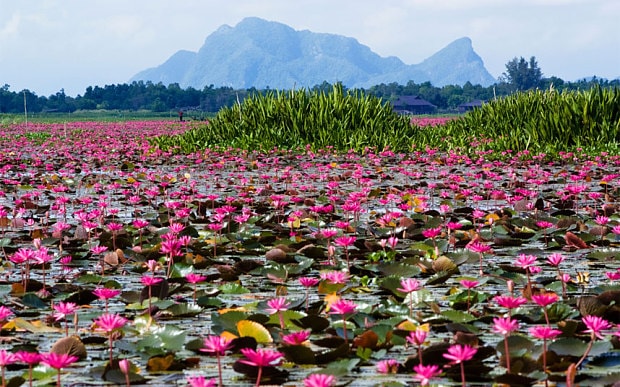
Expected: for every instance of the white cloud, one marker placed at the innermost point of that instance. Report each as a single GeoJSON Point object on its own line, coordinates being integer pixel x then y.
{"type": "Point", "coordinates": [46, 45]}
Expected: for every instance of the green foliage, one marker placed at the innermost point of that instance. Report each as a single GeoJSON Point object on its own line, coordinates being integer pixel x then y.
{"type": "Point", "coordinates": [288, 120]}
{"type": "Point", "coordinates": [539, 122]}
{"type": "Point", "coordinates": [523, 75]}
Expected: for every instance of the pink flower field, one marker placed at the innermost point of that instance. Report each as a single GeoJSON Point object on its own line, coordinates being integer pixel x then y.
{"type": "Point", "coordinates": [126, 265]}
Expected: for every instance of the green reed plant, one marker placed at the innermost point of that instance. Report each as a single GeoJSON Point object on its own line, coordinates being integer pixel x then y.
{"type": "Point", "coordinates": [293, 119]}
{"type": "Point", "coordinates": [545, 121]}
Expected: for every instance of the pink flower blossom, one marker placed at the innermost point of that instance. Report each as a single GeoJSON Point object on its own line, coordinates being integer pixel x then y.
{"type": "Point", "coordinates": [335, 277]}
{"type": "Point", "coordinates": [596, 325]}
{"type": "Point", "coordinates": [320, 380]}
{"type": "Point", "coordinates": [510, 302]}
{"type": "Point", "coordinates": [342, 307]}
{"type": "Point", "coordinates": [261, 357]}
{"type": "Point", "coordinates": [296, 338]}
{"type": "Point", "coordinates": [58, 360]}
{"type": "Point", "coordinates": [469, 284]}
{"type": "Point", "coordinates": [388, 366]}
{"type": "Point", "coordinates": [106, 293]}
{"type": "Point", "coordinates": [109, 322]}
{"type": "Point", "coordinates": [555, 259]}
{"type": "Point", "coordinates": [216, 344]}
{"type": "Point", "coordinates": [424, 373]}
{"type": "Point", "coordinates": [458, 353]}
{"type": "Point", "coordinates": [276, 305]}
{"type": "Point", "coordinates": [544, 332]}
{"type": "Point", "coordinates": [63, 309]}
{"type": "Point", "coordinates": [431, 232]}
{"type": "Point", "coordinates": [417, 337]}
{"type": "Point", "coordinates": [545, 299]}
{"type": "Point", "coordinates": [505, 325]}
{"type": "Point", "coordinates": [201, 381]}
{"type": "Point", "coordinates": [148, 280]}
{"type": "Point", "coordinates": [524, 260]}
{"type": "Point", "coordinates": [194, 278]}
{"type": "Point", "coordinates": [308, 281]}
{"type": "Point", "coordinates": [409, 285]}
{"type": "Point", "coordinates": [345, 241]}
{"type": "Point", "coordinates": [478, 247]}
{"type": "Point", "coordinates": [5, 313]}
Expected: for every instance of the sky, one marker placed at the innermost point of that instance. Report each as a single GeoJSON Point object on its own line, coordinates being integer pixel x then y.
{"type": "Point", "coordinates": [49, 45]}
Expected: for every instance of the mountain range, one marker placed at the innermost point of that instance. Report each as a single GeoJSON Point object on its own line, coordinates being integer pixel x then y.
{"type": "Point", "coordinates": [260, 53]}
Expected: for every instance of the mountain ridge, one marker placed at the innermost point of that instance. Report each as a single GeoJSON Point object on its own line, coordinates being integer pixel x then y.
{"type": "Point", "coordinates": [259, 53]}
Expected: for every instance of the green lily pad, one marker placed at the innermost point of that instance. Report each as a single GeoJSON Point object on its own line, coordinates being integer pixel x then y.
{"type": "Point", "coordinates": [571, 346]}
{"type": "Point", "coordinates": [394, 269]}
{"type": "Point", "coordinates": [233, 288]}
{"type": "Point", "coordinates": [517, 346]}
{"type": "Point", "coordinates": [458, 316]}
{"type": "Point", "coordinates": [298, 354]}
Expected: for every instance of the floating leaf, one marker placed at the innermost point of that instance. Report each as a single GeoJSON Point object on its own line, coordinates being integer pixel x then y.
{"type": "Point", "coordinates": [403, 270]}
{"type": "Point", "coordinates": [35, 326]}
{"type": "Point", "coordinates": [233, 288]}
{"type": "Point", "coordinates": [571, 346]}
{"type": "Point", "coordinates": [298, 354]}
{"type": "Point", "coordinates": [458, 316]}
{"type": "Point", "coordinates": [71, 345]}
{"type": "Point", "coordinates": [184, 310]}
{"type": "Point", "coordinates": [367, 339]}
{"type": "Point", "coordinates": [314, 322]}
{"type": "Point", "coordinates": [255, 330]}
{"type": "Point", "coordinates": [341, 367]}
{"type": "Point", "coordinates": [160, 363]}
{"type": "Point", "coordinates": [517, 346]}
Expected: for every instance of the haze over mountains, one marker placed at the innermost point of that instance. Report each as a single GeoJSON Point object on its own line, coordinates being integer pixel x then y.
{"type": "Point", "coordinates": [259, 53]}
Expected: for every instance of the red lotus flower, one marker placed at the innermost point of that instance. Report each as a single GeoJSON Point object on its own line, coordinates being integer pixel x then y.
{"type": "Point", "coordinates": [319, 380]}
{"type": "Point", "coordinates": [544, 332]}
{"type": "Point", "coordinates": [261, 358]}
{"type": "Point", "coordinates": [106, 293]}
{"type": "Point", "coordinates": [596, 325]}
{"type": "Point", "coordinates": [308, 281]}
{"type": "Point", "coordinates": [201, 381]}
{"type": "Point", "coordinates": [424, 374]}
{"type": "Point", "coordinates": [469, 284]}
{"type": "Point", "coordinates": [409, 285]}
{"type": "Point", "coordinates": [277, 304]}
{"type": "Point", "coordinates": [431, 232]}
{"type": "Point", "coordinates": [109, 322]}
{"type": "Point", "coordinates": [510, 302]}
{"type": "Point", "coordinates": [342, 307]}
{"type": "Point", "coordinates": [217, 345]}
{"type": "Point", "coordinates": [296, 338]}
{"type": "Point", "coordinates": [545, 299]}
{"type": "Point", "coordinates": [335, 277]}
{"type": "Point", "coordinates": [458, 353]}
{"type": "Point", "coordinates": [388, 366]}
{"type": "Point", "coordinates": [58, 361]}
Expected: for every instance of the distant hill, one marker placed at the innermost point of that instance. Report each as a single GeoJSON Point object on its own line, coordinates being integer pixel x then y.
{"type": "Point", "coordinates": [259, 53]}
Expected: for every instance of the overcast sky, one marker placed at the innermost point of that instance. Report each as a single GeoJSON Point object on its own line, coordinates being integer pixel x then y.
{"type": "Point", "coordinates": [47, 45]}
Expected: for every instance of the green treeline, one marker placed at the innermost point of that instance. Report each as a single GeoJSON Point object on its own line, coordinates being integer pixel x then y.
{"type": "Point", "coordinates": [160, 98]}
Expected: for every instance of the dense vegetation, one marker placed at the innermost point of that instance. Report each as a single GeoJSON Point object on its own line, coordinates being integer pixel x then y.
{"type": "Point", "coordinates": [196, 103]}
{"type": "Point", "coordinates": [339, 119]}
{"type": "Point", "coordinates": [538, 121]}
{"type": "Point", "coordinates": [543, 122]}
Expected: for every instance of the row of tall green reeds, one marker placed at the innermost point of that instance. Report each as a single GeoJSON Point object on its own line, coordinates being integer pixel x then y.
{"type": "Point", "coordinates": [293, 119]}
{"type": "Point", "coordinates": [544, 121]}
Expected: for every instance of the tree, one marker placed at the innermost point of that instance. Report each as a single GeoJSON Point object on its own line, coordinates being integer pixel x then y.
{"type": "Point", "coordinates": [523, 75]}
